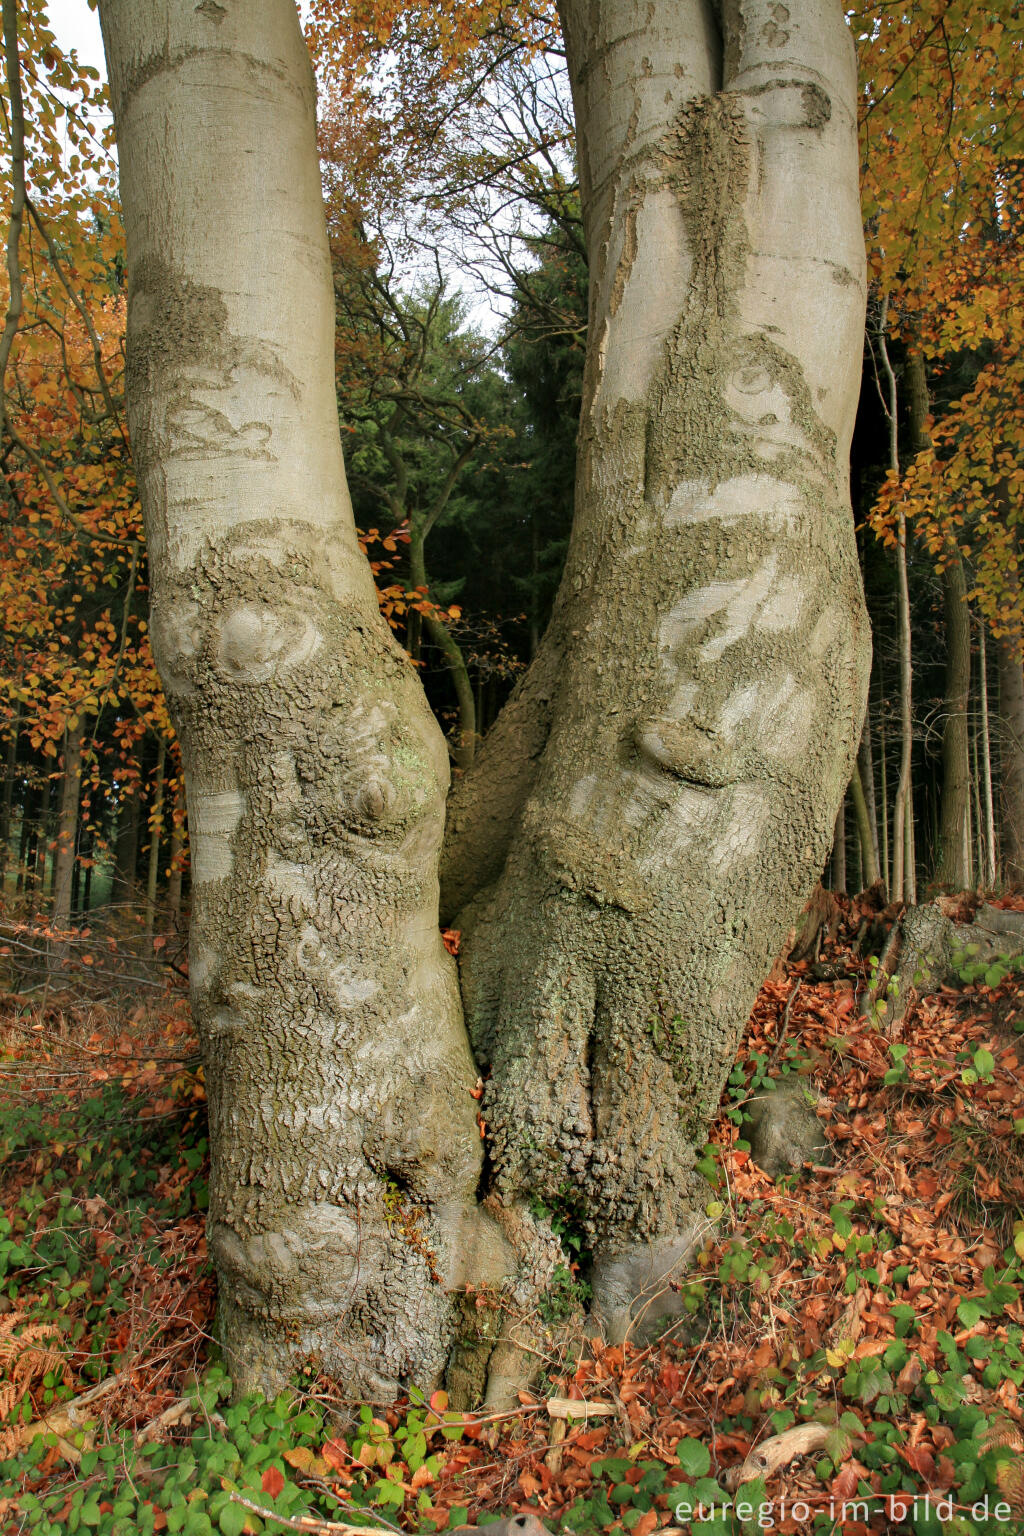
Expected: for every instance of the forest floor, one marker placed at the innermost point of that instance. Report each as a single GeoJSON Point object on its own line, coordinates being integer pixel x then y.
{"type": "Point", "coordinates": [869, 1316]}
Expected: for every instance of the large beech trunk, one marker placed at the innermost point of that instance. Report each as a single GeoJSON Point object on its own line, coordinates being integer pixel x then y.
{"type": "Point", "coordinates": [345, 1148]}
{"type": "Point", "coordinates": [657, 804]}
{"type": "Point", "coordinates": [653, 807]}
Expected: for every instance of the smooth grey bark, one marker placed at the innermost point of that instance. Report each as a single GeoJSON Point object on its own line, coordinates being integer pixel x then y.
{"type": "Point", "coordinates": [655, 805]}
{"type": "Point", "coordinates": [345, 1148]}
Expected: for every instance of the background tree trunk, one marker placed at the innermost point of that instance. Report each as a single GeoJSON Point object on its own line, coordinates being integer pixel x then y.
{"type": "Point", "coordinates": [1011, 756]}
{"type": "Point", "coordinates": [903, 874]}
{"type": "Point", "coordinates": [838, 871]}
{"type": "Point", "coordinates": [126, 846]}
{"type": "Point", "coordinates": [176, 855]}
{"type": "Point", "coordinates": [67, 835]}
{"type": "Point", "coordinates": [884, 787]}
{"type": "Point", "coordinates": [345, 1147]}
{"type": "Point", "coordinates": [954, 862]}
{"type": "Point", "coordinates": [710, 634]}
{"type": "Point", "coordinates": [41, 840]}
{"type": "Point", "coordinates": [866, 766]}
{"type": "Point", "coordinates": [986, 759]}
{"type": "Point", "coordinates": [955, 870]}
{"type": "Point", "coordinates": [868, 862]}
{"type": "Point", "coordinates": [25, 836]}
{"type": "Point", "coordinates": [156, 827]}
{"type": "Point", "coordinates": [466, 733]}
{"type": "Point", "coordinates": [7, 803]}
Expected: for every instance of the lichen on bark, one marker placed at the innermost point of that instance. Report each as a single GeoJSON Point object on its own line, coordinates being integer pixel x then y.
{"type": "Point", "coordinates": [712, 644]}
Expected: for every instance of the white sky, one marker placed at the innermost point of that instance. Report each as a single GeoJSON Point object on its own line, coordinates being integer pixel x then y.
{"type": "Point", "coordinates": [75, 26]}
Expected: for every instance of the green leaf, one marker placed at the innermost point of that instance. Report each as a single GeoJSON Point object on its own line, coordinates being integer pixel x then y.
{"type": "Point", "coordinates": [232, 1518]}
{"type": "Point", "coordinates": [837, 1445]}
{"type": "Point", "coordinates": [904, 1317]}
{"type": "Point", "coordinates": [840, 1220]}
{"type": "Point", "coordinates": [614, 1467]}
{"type": "Point", "coordinates": [694, 1457]}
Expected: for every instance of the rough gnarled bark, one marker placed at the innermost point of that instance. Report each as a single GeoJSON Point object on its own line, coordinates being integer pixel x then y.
{"type": "Point", "coordinates": [701, 691]}
{"type": "Point", "coordinates": [655, 804]}
{"type": "Point", "coordinates": [346, 1153]}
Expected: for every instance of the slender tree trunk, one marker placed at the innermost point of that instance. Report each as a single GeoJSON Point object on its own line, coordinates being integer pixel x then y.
{"type": "Point", "coordinates": [839, 852]}
{"type": "Point", "coordinates": [884, 775]}
{"type": "Point", "coordinates": [28, 806]}
{"type": "Point", "coordinates": [954, 863]}
{"type": "Point", "coordinates": [413, 632]}
{"type": "Point", "coordinates": [866, 767]}
{"type": "Point", "coordinates": [42, 838]}
{"type": "Point", "coordinates": [534, 584]}
{"type": "Point", "coordinates": [126, 848]}
{"type": "Point", "coordinates": [704, 677]}
{"type": "Point", "coordinates": [868, 865]}
{"type": "Point", "coordinates": [66, 849]}
{"type": "Point", "coordinates": [954, 836]}
{"type": "Point", "coordinates": [7, 804]}
{"type": "Point", "coordinates": [980, 862]}
{"type": "Point", "coordinates": [903, 883]}
{"type": "Point", "coordinates": [986, 759]}
{"type": "Point", "coordinates": [76, 872]}
{"type": "Point", "coordinates": [177, 852]}
{"type": "Point", "coordinates": [345, 1147]}
{"type": "Point", "coordinates": [1011, 711]}
{"type": "Point", "coordinates": [82, 895]}
{"type": "Point", "coordinates": [156, 827]}
{"type": "Point", "coordinates": [441, 635]}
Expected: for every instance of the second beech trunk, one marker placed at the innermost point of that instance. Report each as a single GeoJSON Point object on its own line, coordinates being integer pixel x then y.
{"type": "Point", "coordinates": [688, 729]}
